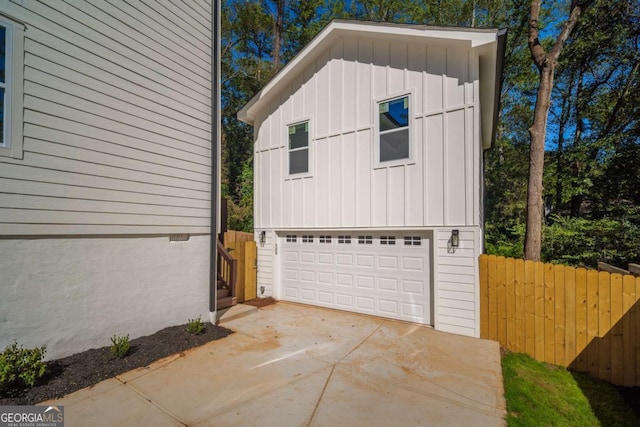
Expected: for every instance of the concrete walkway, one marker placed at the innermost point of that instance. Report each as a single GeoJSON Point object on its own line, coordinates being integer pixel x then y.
{"type": "Point", "coordinates": [294, 365]}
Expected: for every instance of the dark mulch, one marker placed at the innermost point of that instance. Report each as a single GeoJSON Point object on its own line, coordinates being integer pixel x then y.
{"type": "Point", "coordinates": [260, 302]}
{"type": "Point", "coordinates": [88, 368]}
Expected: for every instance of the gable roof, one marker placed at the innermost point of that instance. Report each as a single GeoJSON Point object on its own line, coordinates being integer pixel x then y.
{"type": "Point", "coordinates": [490, 43]}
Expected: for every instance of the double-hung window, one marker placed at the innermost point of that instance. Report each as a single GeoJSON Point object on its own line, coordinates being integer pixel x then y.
{"type": "Point", "coordinates": [393, 141]}
{"type": "Point", "coordinates": [299, 148]}
{"type": "Point", "coordinates": [11, 87]}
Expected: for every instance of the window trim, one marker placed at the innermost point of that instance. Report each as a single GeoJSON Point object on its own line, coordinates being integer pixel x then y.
{"type": "Point", "coordinates": [377, 164]}
{"type": "Point", "coordinates": [287, 150]}
{"type": "Point", "coordinates": [14, 82]}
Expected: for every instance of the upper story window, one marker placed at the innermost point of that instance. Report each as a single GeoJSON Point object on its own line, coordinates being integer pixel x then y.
{"type": "Point", "coordinates": [299, 148]}
{"type": "Point", "coordinates": [393, 136]}
{"type": "Point", "coordinates": [11, 87]}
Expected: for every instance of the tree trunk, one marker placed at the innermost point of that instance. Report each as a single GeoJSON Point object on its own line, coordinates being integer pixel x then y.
{"type": "Point", "coordinates": [278, 31]}
{"type": "Point", "coordinates": [535, 191]}
{"type": "Point", "coordinates": [546, 63]}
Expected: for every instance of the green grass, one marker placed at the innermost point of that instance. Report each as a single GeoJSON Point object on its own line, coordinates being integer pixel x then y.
{"type": "Point", "coordinates": [539, 394]}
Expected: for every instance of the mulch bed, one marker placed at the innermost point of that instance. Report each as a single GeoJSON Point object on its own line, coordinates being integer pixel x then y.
{"type": "Point", "coordinates": [88, 368]}
{"type": "Point", "coordinates": [260, 302]}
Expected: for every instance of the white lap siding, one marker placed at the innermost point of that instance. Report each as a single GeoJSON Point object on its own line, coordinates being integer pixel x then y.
{"type": "Point", "coordinates": [117, 126]}
{"type": "Point", "coordinates": [457, 294]}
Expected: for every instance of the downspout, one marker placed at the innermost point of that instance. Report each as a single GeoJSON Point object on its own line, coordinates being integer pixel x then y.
{"type": "Point", "coordinates": [215, 140]}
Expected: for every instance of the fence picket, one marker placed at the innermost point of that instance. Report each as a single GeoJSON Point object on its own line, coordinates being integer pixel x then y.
{"type": "Point", "coordinates": [584, 319]}
{"type": "Point", "coordinates": [604, 325]}
{"type": "Point", "coordinates": [493, 300]}
{"type": "Point", "coordinates": [637, 331]}
{"type": "Point", "coordinates": [549, 314]}
{"type": "Point", "coordinates": [581, 320]}
{"type": "Point", "coordinates": [570, 315]}
{"type": "Point", "coordinates": [510, 296]}
{"type": "Point", "coordinates": [501, 298]}
{"type": "Point", "coordinates": [630, 337]}
{"type": "Point", "coordinates": [592, 322]}
{"type": "Point", "coordinates": [520, 301]}
{"type": "Point", "coordinates": [617, 343]}
{"type": "Point", "coordinates": [484, 295]}
{"type": "Point", "coordinates": [539, 316]}
{"type": "Point", "coordinates": [559, 314]}
{"type": "Point", "coordinates": [529, 307]}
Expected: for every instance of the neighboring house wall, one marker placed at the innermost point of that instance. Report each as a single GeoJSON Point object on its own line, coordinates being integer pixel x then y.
{"type": "Point", "coordinates": [116, 156]}
{"type": "Point", "coordinates": [73, 294]}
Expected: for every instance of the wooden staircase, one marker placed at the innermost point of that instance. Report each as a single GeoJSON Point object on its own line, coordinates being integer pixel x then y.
{"type": "Point", "coordinates": [227, 278]}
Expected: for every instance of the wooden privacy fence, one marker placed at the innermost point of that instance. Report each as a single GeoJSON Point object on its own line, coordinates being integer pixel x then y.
{"type": "Point", "coordinates": [237, 236]}
{"type": "Point", "coordinates": [242, 247]}
{"type": "Point", "coordinates": [583, 319]}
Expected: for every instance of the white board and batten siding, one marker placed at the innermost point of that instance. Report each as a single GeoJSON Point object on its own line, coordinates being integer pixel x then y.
{"type": "Point", "coordinates": [117, 122]}
{"type": "Point", "coordinates": [336, 84]}
{"type": "Point", "coordinates": [337, 94]}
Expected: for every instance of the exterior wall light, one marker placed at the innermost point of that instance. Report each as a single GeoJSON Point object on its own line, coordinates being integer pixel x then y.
{"type": "Point", "coordinates": [455, 238]}
{"type": "Point", "coordinates": [263, 237]}
{"type": "Point", "coordinates": [454, 241]}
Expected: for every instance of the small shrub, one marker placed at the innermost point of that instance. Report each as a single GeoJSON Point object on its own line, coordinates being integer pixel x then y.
{"type": "Point", "coordinates": [195, 326]}
{"type": "Point", "coordinates": [120, 346]}
{"type": "Point", "coordinates": [21, 367]}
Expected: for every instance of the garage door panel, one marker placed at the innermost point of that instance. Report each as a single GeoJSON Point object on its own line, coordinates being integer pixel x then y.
{"type": "Point", "coordinates": [325, 258]}
{"type": "Point", "coordinates": [291, 256]}
{"type": "Point", "coordinates": [308, 295]}
{"type": "Point", "coordinates": [412, 287]}
{"type": "Point", "coordinates": [388, 284]}
{"type": "Point", "coordinates": [365, 303]}
{"type": "Point", "coordinates": [325, 277]}
{"type": "Point", "coordinates": [291, 274]}
{"type": "Point", "coordinates": [290, 292]}
{"type": "Point", "coordinates": [388, 306]}
{"type": "Point", "coordinates": [344, 301]}
{"type": "Point", "coordinates": [387, 262]}
{"type": "Point", "coordinates": [365, 282]}
{"type": "Point", "coordinates": [308, 257]}
{"type": "Point", "coordinates": [344, 279]}
{"type": "Point", "coordinates": [413, 264]}
{"type": "Point", "coordinates": [385, 280]}
{"type": "Point", "coordinates": [344, 259]}
{"type": "Point", "coordinates": [325, 297]}
{"type": "Point", "coordinates": [413, 310]}
{"type": "Point", "coordinates": [365, 260]}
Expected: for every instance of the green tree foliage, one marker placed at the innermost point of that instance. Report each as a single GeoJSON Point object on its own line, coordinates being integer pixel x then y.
{"type": "Point", "coordinates": [590, 178]}
{"type": "Point", "coordinates": [248, 49]}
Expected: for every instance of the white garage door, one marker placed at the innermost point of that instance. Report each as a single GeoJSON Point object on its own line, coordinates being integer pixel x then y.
{"type": "Point", "coordinates": [385, 274]}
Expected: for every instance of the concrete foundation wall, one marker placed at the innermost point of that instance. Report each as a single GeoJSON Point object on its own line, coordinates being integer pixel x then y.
{"type": "Point", "coordinates": [73, 294]}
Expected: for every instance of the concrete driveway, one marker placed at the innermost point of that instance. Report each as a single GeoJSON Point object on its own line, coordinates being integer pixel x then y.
{"type": "Point", "coordinates": [294, 365]}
